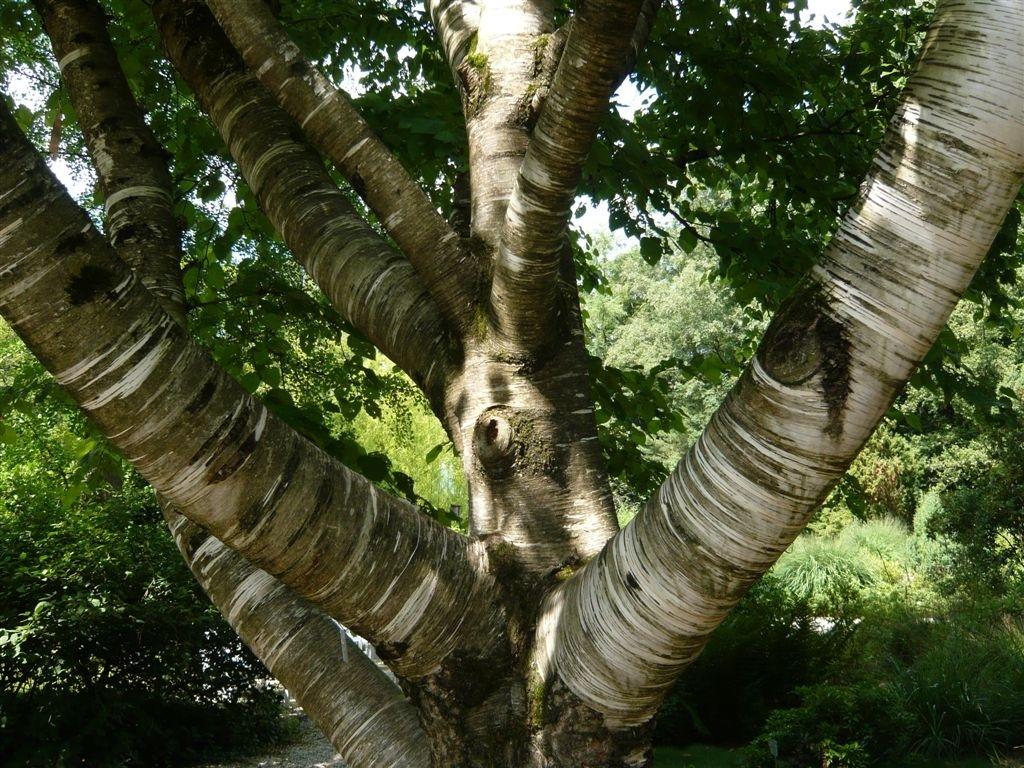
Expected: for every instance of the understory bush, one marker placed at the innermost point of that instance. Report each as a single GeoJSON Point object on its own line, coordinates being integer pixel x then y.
{"type": "Point", "coordinates": [109, 654]}
{"type": "Point", "coordinates": [906, 684]}
{"type": "Point", "coordinates": [755, 661]}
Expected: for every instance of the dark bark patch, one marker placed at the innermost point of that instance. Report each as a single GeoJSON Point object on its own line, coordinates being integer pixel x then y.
{"type": "Point", "coordinates": [495, 442]}
{"type": "Point", "coordinates": [237, 460]}
{"type": "Point", "coordinates": [392, 651]}
{"type": "Point", "coordinates": [631, 581]}
{"type": "Point", "coordinates": [955, 142]}
{"type": "Point", "coordinates": [90, 283]}
{"type": "Point", "coordinates": [70, 244]}
{"type": "Point", "coordinates": [195, 540]}
{"type": "Point", "coordinates": [203, 397]}
{"type": "Point", "coordinates": [803, 341]}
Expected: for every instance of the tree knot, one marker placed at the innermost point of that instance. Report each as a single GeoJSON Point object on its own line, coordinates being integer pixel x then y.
{"type": "Point", "coordinates": [804, 341]}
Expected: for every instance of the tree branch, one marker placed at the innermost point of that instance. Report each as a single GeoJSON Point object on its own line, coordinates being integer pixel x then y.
{"type": "Point", "coordinates": [827, 370]}
{"type": "Point", "coordinates": [456, 22]}
{"type": "Point", "coordinates": [410, 586]}
{"type": "Point", "coordinates": [338, 687]}
{"type": "Point", "coordinates": [337, 129]}
{"type": "Point", "coordinates": [365, 715]}
{"type": "Point", "coordinates": [371, 285]}
{"type": "Point", "coordinates": [130, 164]}
{"type": "Point", "coordinates": [525, 288]}
{"type": "Point", "coordinates": [497, 77]}
{"type": "Point", "coordinates": [642, 31]}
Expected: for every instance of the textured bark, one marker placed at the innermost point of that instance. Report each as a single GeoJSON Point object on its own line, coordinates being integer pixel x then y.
{"type": "Point", "coordinates": [528, 439]}
{"type": "Point", "coordinates": [413, 588]}
{"type": "Point", "coordinates": [497, 77]}
{"type": "Point", "coordinates": [524, 294]}
{"type": "Point", "coordinates": [456, 22]}
{"type": "Point", "coordinates": [340, 133]}
{"type": "Point", "coordinates": [546, 638]}
{"type": "Point", "coordinates": [361, 711]}
{"type": "Point", "coordinates": [130, 164]}
{"type": "Point", "coordinates": [642, 31]}
{"type": "Point", "coordinates": [829, 367]}
{"type": "Point", "coordinates": [371, 285]}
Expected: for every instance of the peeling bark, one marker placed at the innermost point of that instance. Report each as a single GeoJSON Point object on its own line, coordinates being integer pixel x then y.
{"type": "Point", "coordinates": [826, 372]}
{"type": "Point", "coordinates": [497, 75]}
{"type": "Point", "coordinates": [457, 23]}
{"type": "Point", "coordinates": [335, 128]}
{"type": "Point", "coordinates": [524, 294]}
{"type": "Point", "coordinates": [363, 713]}
{"type": "Point", "coordinates": [546, 638]}
{"type": "Point", "coordinates": [407, 584]}
{"type": "Point", "coordinates": [371, 285]}
{"type": "Point", "coordinates": [130, 164]}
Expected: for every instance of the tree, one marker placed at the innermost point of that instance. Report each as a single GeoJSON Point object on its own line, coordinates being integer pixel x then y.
{"type": "Point", "coordinates": [546, 636]}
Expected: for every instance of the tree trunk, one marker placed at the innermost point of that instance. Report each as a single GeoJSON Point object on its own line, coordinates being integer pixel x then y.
{"type": "Point", "coordinates": [546, 637]}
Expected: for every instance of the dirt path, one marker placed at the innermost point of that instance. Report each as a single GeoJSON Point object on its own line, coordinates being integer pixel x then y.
{"type": "Point", "coordinates": [311, 750]}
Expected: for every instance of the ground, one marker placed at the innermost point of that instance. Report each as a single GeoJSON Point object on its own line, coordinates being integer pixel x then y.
{"type": "Point", "coordinates": [311, 750]}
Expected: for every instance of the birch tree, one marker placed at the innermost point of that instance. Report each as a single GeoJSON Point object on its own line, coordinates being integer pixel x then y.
{"type": "Point", "coordinates": [546, 636]}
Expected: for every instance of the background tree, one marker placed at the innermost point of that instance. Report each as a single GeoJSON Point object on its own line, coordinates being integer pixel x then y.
{"type": "Point", "coordinates": [546, 636]}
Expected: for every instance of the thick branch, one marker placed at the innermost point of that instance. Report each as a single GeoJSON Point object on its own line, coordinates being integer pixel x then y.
{"type": "Point", "coordinates": [370, 284]}
{"type": "Point", "coordinates": [497, 78]}
{"type": "Point", "coordinates": [130, 164]}
{"type": "Point", "coordinates": [642, 31]}
{"type": "Point", "coordinates": [525, 288]}
{"type": "Point", "coordinates": [826, 372]}
{"type": "Point", "coordinates": [456, 22]}
{"type": "Point", "coordinates": [337, 129]}
{"type": "Point", "coordinates": [375, 563]}
{"type": "Point", "coordinates": [351, 700]}
{"type": "Point", "coordinates": [361, 711]}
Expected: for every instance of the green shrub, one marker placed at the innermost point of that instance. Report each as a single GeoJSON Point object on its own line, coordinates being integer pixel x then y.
{"type": "Point", "coordinates": [753, 664]}
{"type": "Point", "coordinates": [109, 653]}
{"type": "Point", "coordinates": [965, 690]}
{"type": "Point", "coordinates": [907, 685]}
{"type": "Point", "coordinates": [840, 726]}
{"type": "Point", "coordinates": [826, 573]}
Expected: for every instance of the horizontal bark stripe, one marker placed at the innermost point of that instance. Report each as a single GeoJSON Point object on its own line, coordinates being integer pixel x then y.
{"type": "Point", "coordinates": [373, 286]}
{"type": "Point", "coordinates": [336, 128]}
{"type": "Point", "coordinates": [130, 164]}
{"type": "Point", "coordinates": [364, 714]}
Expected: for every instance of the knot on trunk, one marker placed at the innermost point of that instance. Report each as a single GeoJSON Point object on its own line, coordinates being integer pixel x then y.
{"type": "Point", "coordinates": [804, 341]}
{"type": "Point", "coordinates": [494, 442]}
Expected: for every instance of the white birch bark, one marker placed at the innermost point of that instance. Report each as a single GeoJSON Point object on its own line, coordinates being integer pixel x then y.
{"type": "Point", "coordinates": [456, 22]}
{"type": "Point", "coordinates": [129, 162]}
{"type": "Point", "coordinates": [361, 711]}
{"type": "Point", "coordinates": [828, 369]}
{"type": "Point", "coordinates": [525, 289]}
{"type": "Point", "coordinates": [336, 128]}
{"type": "Point", "coordinates": [413, 588]}
{"type": "Point", "coordinates": [510, 40]}
{"type": "Point", "coordinates": [370, 284]}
